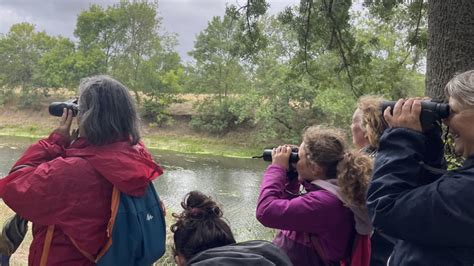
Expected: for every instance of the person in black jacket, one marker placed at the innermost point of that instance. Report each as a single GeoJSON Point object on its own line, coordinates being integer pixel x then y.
{"type": "Point", "coordinates": [433, 217]}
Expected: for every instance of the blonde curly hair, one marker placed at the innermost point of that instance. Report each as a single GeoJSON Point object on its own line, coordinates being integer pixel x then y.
{"type": "Point", "coordinates": [327, 148]}
{"type": "Point", "coordinates": [372, 120]}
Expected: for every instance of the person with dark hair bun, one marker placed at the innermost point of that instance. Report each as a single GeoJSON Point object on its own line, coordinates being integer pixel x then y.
{"type": "Point", "coordinates": [199, 227]}
{"type": "Point", "coordinates": [203, 237]}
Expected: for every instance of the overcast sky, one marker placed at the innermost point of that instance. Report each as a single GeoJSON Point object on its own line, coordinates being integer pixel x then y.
{"type": "Point", "coordinates": [58, 17]}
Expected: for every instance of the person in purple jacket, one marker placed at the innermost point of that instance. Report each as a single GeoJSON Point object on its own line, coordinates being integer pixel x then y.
{"type": "Point", "coordinates": [316, 227]}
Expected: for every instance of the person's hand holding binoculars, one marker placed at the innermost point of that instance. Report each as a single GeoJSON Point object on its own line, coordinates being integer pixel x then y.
{"type": "Point", "coordinates": [406, 113]}
{"type": "Point", "coordinates": [281, 156]}
{"type": "Point", "coordinates": [64, 127]}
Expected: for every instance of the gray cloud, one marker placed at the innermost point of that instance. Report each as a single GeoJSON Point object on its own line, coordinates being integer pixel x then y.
{"type": "Point", "coordinates": [58, 17]}
{"type": "Point", "coordinates": [189, 17]}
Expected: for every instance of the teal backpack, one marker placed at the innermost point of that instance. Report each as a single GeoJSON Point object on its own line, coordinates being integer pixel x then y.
{"type": "Point", "coordinates": [139, 232]}
{"type": "Point", "coordinates": [136, 231]}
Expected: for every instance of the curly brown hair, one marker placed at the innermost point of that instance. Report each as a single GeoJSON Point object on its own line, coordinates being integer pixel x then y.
{"type": "Point", "coordinates": [354, 172]}
{"type": "Point", "coordinates": [372, 120]}
{"type": "Point", "coordinates": [199, 226]}
{"type": "Point", "coordinates": [327, 148]}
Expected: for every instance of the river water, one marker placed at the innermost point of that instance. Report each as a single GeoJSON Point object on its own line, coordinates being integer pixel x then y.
{"type": "Point", "coordinates": [232, 182]}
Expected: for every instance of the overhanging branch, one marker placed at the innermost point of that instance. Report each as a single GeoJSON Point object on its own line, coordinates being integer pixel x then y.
{"type": "Point", "coordinates": [340, 45]}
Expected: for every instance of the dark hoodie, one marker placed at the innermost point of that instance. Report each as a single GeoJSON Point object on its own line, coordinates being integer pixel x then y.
{"type": "Point", "coordinates": [255, 252]}
{"type": "Point", "coordinates": [71, 188]}
{"type": "Point", "coordinates": [434, 221]}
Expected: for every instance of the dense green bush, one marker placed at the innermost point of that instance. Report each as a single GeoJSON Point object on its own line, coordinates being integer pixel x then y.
{"type": "Point", "coordinates": [31, 99]}
{"type": "Point", "coordinates": [155, 111]}
{"type": "Point", "coordinates": [155, 105]}
{"type": "Point", "coordinates": [220, 115]}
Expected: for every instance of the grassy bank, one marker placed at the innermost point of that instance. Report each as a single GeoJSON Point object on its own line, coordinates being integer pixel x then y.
{"type": "Point", "coordinates": [177, 137]}
{"type": "Point", "coordinates": [202, 145]}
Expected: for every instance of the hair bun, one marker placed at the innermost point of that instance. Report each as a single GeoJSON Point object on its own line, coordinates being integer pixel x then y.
{"type": "Point", "coordinates": [199, 206]}
{"type": "Point", "coordinates": [199, 226]}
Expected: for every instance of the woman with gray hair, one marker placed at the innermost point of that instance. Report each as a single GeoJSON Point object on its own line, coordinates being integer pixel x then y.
{"type": "Point", "coordinates": [67, 181]}
{"type": "Point", "coordinates": [434, 220]}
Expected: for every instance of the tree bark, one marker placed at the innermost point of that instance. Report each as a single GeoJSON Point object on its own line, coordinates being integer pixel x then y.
{"type": "Point", "coordinates": [450, 43]}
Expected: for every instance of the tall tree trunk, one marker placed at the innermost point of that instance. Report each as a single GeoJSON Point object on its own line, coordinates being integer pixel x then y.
{"type": "Point", "coordinates": [450, 42]}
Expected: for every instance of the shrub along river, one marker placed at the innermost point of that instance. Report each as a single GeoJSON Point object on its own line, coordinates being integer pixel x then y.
{"type": "Point", "coordinates": [233, 182]}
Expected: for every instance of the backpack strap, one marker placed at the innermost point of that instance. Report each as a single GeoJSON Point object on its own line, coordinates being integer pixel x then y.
{"type": "Point", "coordinates": [114, 206]}
{"type": "Point", "coordinates": [47, 245]}
{"type": "Point", "coordinates": [83, 252]}
{"type": "Point", "coordinates": [317, 247]}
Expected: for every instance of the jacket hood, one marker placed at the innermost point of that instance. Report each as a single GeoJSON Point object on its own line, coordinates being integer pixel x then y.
{"type": "Point", "coordinates": [128, 167]}
{"type": "Point", "coordinates": [363, 224]}
{"type": "Point", "coordinates": [254, 252]}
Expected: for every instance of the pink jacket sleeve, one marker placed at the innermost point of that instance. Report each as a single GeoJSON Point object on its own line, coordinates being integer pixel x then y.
{"type": "Point", "coordinates": [308, 213]}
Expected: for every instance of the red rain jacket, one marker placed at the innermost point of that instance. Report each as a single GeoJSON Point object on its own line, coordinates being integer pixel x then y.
{"type": "Point", "coordinates": [71, 187]}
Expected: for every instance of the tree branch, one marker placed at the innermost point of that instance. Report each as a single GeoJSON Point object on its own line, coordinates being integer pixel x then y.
{"type": "Point", "coordinates": [417, 29]}
{"type": "Point", "coordinates": [340, 43]}
{"type": "Point", "coordinates": [306, 36]}
{"type": "Point", "coordinates": [247, 18]}
{"type": "Point", "coordinates": [247, 13]}
{"type": "Point", "coordinates": [283, 123]}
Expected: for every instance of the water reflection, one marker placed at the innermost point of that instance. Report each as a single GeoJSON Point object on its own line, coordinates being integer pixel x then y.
{"type": "Point", "coordinates": [232, 182]}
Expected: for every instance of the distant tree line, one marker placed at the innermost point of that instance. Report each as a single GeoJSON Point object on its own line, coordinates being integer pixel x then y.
{"type": "Point", "coordinates": [271, 74]}
{"type": "Point", "coordinates": [123, 40]}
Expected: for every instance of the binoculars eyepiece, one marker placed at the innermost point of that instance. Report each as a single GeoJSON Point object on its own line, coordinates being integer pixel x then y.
{"type": "Point", "coordinates": [56, 108]}
{"type": "Point", "coordinates": [431, 111]}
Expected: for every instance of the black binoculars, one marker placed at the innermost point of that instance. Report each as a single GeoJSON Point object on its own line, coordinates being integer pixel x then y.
{"type": "Point", "coordinates": [291, 174]}
{"type": "Point", "coordinates": [267, 155]}
{"type": "Point", "coordinates": [56, 108]}
{"type": "Point", "coordinates": [431, 111]}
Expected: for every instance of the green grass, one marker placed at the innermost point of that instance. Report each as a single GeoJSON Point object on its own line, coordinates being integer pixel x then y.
{"type": "Point", "coordinates": [30, 131]}
{"type": "Point", "coordinates": [202, 145]}
{"type": "Point", "coordinates": [225, 146]}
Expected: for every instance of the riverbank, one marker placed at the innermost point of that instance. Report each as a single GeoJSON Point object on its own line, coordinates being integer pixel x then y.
{"type": "Point", "coordinates": [177, 137]}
